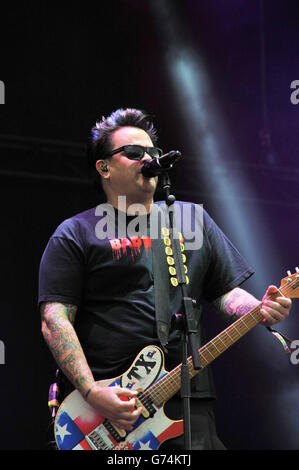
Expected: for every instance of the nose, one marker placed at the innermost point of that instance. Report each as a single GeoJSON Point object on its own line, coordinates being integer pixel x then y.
{"type": "Point", "coordinates": [146, 157]}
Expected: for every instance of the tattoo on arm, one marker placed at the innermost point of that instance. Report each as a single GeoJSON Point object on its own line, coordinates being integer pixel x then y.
{"type": "Point", "coordinates": [235, 304]}
{"type": "Point", "coordinates": [63, 342]}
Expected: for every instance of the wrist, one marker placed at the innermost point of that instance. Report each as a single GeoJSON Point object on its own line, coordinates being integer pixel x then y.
{"type": "Point", "coordinates": [87, 392]}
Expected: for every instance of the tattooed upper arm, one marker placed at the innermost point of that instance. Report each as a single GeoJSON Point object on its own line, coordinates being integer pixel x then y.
{"type": "Point", "coordinates": [68, 311]}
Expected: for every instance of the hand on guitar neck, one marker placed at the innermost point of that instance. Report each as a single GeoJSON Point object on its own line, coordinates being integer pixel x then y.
{"type": "Point", "coordinates": [275, 307]}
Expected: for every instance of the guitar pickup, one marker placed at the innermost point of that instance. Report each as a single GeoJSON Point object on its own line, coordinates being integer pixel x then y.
{"type": "Point", "coordinates": [145, 401]}
{"type": "Point", "coordinates": [117, 433]}
{"type": "Point", "coordinates": [145, 413]}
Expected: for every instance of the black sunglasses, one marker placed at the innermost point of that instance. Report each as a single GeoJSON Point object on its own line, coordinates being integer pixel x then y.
{"type": "Point", "coordinates": [136, 152]}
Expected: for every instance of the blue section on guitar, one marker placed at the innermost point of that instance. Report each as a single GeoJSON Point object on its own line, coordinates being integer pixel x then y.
{"type": "Point", "coordinates": [147, 442]}
{"type": "Point", "coordinates": [115, 383]}
{"type": "Point", "coordinates": [138, 422]}
{"type": "Point", "coordinates": [68, 435]}
{"type": "Point", "coordinates": [151, 354]}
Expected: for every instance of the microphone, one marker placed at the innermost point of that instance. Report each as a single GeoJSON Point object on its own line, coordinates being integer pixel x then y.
{"type": "Point", "coordinates": [156, 166]}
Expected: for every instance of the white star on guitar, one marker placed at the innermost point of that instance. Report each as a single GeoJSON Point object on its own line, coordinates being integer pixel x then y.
{"type": "Point", "coordinates": [61, 431]}
{"type": "Point", "coordinates": [146, 446]}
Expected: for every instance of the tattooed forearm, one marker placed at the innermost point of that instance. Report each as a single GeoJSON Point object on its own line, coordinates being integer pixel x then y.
{"type": "Point", "coordinates": [63, 342]}
{"type": "Point", "coordinates": [235, 303]}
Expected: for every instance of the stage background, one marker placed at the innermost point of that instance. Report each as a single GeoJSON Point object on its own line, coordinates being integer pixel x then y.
{"type": "Point", "coordinates": [64, 66]}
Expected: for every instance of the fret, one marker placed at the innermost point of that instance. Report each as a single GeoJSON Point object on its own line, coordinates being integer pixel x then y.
{"type": "Point", "coordinates": [225, 331]}
{"type": "Point", "coordinates": [235, 328]}
{"type": "Point", "coordinates": [244, 323]}
{"type": "Point", "coordinates": [253, 317]}
{"type": "Point", "coordinates": [219, 337]}
{"type": "Point", "coordinates": [203, 360]}
{"type": "Point", "coordinates": [215, 345]}
{"type": "Point", "coordinates": [210, 352]}
{"type": "Point", "coordinates": [165, 387]}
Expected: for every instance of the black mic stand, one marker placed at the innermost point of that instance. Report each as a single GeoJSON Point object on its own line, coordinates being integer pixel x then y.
{"type": "Point", "coordinates": [184, 322]}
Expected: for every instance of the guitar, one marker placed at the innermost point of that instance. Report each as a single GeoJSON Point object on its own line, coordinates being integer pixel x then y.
{"type": "Point", "coordinates": [78, 426]}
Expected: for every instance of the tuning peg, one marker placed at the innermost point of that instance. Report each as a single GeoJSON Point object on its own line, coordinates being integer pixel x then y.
{"type": "Point", "coordinates": [289, 273]}
{"type": "Point", "coordinates": [297, 270]}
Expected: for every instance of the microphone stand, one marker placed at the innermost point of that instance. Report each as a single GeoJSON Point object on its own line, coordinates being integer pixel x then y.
{"type": "Point", "coordinates": [184, 322]}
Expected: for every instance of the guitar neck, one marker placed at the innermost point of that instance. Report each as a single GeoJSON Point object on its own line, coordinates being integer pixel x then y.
{"type": "Point", "coordinates": [170, 384]}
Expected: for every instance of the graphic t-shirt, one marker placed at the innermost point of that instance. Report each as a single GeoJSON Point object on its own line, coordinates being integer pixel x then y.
{"type": "Point", "coordinates": [108, 274]}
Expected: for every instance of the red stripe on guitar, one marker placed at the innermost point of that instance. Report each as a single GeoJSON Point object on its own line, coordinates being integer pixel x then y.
{"type": "Point", "coordinates": [88, 425]}
{"type": "Point", "coordinates": [84, 444]}
{"type": "Point", "coordinates": [173, 431]}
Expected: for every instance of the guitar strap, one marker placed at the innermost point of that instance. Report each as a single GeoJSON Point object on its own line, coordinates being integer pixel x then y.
{"type": "Point", "coordinates": [161, 272]}
{"type": "Point", "coordinates": [161, 283]}
{"type": "Point", "coordinates": [285, 341]}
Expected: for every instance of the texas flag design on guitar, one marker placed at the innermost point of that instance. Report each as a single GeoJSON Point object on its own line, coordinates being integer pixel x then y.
{"type": "Point", "coordinates": [86, 431]}
{"type": "Point", "coordinates": [78, 426]}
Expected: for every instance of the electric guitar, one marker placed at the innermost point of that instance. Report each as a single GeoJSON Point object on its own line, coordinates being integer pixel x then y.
{"type": "Point", "coordinates": [78, 426]}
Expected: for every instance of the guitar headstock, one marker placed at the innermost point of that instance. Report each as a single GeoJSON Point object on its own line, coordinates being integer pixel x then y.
{"type": "Point", "coordinates": [290, 283]}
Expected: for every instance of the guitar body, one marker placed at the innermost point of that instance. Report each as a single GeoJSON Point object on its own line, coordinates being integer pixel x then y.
{"type": "Point", "coordinates": [78, 426]}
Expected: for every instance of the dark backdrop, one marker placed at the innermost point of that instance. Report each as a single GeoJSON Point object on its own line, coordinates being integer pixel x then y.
{"type": "Point", "coordinates": [68, 64]}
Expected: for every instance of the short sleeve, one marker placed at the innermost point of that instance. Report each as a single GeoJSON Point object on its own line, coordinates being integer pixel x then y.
{"type": "Point", "coordinates": [227, 267]}
{"type": "Point", "coordinates": [61, 272]}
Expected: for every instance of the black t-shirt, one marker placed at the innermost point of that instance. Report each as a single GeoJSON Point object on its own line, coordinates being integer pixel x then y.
{"type": "Point", "coordinates": [108, 274]}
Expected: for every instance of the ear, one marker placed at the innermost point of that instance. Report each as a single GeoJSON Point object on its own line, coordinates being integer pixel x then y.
{"type": "Point", "coordinates": [102, 168]}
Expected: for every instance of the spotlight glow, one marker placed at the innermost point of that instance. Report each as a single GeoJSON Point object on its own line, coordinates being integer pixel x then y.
{"type": "Point", "coordinates": [212, 145]}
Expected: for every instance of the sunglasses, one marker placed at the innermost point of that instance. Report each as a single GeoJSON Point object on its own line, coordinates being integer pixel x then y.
{"type": "Point", "coordinates": [136, 152]}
